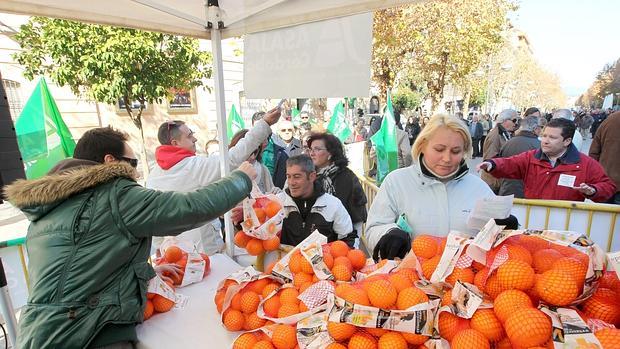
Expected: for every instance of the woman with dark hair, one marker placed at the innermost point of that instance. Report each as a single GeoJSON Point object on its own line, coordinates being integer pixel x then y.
{"type": "Point", "coordinates": [263, 177]}
{"type": "Point", "coordinates": [336, 178]}
{"type": "Point", "coordinates": [412, 128]}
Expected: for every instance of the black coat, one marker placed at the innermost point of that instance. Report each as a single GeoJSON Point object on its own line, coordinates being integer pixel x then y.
{"type": "Point", "coordinates": [349, 191]}
{"type": "Point", "coordinates": [279, 166]}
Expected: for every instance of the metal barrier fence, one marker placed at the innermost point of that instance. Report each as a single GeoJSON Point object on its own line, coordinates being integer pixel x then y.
{"type": "Point", "coordinates": [598, 221]}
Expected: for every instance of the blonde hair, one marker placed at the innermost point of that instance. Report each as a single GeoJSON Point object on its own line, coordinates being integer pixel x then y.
{"type": "Point", "coordinates": [436, 122]}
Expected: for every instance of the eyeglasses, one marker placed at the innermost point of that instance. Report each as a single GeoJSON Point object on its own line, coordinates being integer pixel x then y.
{"type": "Point", "coordinates": [304, 118]}
{"type": "Point", "coordinates": [286, 130]}
{"type": "Point", "coordinates": [132, 162]}
{"type": "Point", "coordinates": [316, 150]}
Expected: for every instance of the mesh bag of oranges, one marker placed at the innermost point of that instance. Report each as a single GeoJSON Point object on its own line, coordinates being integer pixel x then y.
{"type": "Point", "coordinates": [278, 336]}
{"type": "Point", "coordinates": [194, 266]}
{"type": "Point", "coordinates": [262, 221]}
{"type": "Point", "coordinates": [161, 297]}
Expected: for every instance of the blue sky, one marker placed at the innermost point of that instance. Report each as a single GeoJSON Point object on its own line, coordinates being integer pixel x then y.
{"type": "Point", "coordinates": [572, 38]}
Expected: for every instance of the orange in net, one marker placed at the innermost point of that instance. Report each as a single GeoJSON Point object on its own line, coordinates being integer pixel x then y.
{"type": "Point", "coordinates": [414, 339]}
{"type": "Point", "coordinates": [173, 254]}
{"type": "Point", "coordinates": [610, 281]}
{"type": "Point", "coordinates": [362, 340]}
{"type": "Point", "coordinates": [343, 261]}
{"type": "Point", "coordinates": [357, 258]}
{"type": "Point", "coordinates": [410, 273]}
{"type": "Point", "coordinates": [450, 325]}
{"type": "Point", "coordinates": [480, 278]}
{"type": "Point", "coordinates": [400, 281]}
{"type": "Point", "coordinates": [462, 274]}
{"type": "Point", "coordinates": [340, 331]}
{"type": "Point", "coordinates": [392, 340]}
{"type": "Point", "coordinates": [493, 288]}
{"type": "Point", "coordinates": [264, 344]}
{"type": "Point", "coordinates": [486, 322]}
{"type": "Point", "coordinates": [429, 266]}
{"type": "Point", "coordinates": [301, 278]}
{"type": "Point", "coordinates": [335, 346]}
{"type": "Point", "coordinates": [269, 288]}
{"type": "Point", "coordinates": [446, 299]}
{"type": "Point", "coordinates": [382, 294]}
{"type": "Point", "coordinates": [288, 309]}
{"type": "Point", "coordinates": [289, 296]}
{"type": "Point", "coordinates": [272, 306]}
{"type": "Point", "coordinates": [241, 239]}
{"type": "Point", "coordinates": [557, 287]}
{"type": "Point", "coordinates": [410, 297]}
{"type": "Point", "coordinates": [253, 321]}
{"type": "Point", "coordinates": [254, 247]}
{"type": "Point", "coordinates": [306, 267]}
{"type": "Point", "coordinates": [284, 337]}
{"type": "Point", "coordinates": [377, 332]}
{"type": "Point", "coordinates": [294, 264]}
{"type": "Point", "coordinates": [328, 259]}
{"type": "Point", "coordinates": [357, 296]}
{"type": "Point", "coordinates": [249, 302]}
{"type": "Point", "coordinates": [272, 208]}
{"type": "Point", "coordinates": [573, 266]}
{"type": "Point", "coordinates": [468, 339]}
{"type": "Point", "coordinates": [271, 244]}
{"type": "Point", "coordinates": [342, 289]}
{"type": "Point", "coordinates": [339, 249]}
{"type": "Point", "coordinates": [342, 272]}
{"type": "Point", "coordinates": [425, 246]}
{"type": "Point", "coordinates": [246, 340]}
{"type": "Point", "coordinates": [257, 286]}
{"type": "Point", "coordinates": [532, 243]}
{"type": "Point", "coordinates": [507, 302]}
{"type": "Point", "coordinates": [528, 327]}
{"type": "Point", "coordinates": [148, 310]}
{"type": "Point", "coordinates": [162, 304]}
{"type": "Point", "coordinates": [603, 305]}
{"type": "Point", "coordinates": [515, 274]}
{"type": "Point", "coordinates": [543, 260]}
{"type": "Point", "coordinates": [233, 320]}
{"type": "Point", "coordinates": [609, 338]}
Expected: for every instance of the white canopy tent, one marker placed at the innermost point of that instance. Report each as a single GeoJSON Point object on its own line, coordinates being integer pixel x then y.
{"type": "Point", "coordinates": [205, 19]}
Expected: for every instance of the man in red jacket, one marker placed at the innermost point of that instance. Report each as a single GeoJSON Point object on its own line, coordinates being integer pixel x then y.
{"type": "Point", "coordinates": [556, 171]}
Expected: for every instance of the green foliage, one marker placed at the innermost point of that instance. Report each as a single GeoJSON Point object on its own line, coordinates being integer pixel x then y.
{"type": "Point", "coordinates": [106, 63]}
{"type": "Point", "coordinates": [405, 99]}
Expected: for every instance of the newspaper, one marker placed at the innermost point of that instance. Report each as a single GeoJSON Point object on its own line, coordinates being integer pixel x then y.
{"type": "Point", "coordinates": [194, 269]}
{"type": "Point", "coordinates": [253, 227]}
{"type": "Point", "coordinates": [313, 253]}
{"type": "Point", "coordinates": [466, 299]}
{"type": "Point", "coordinates": [312, 332]}
{"type": "Point", "coordinates": [281, 269]}
{"type": "Point", "coordinates": [417, 319]}
{"type": "Point", "coordinates": [455, 245]}
{"type": "Point", "coordinates": [489, 208]}
{"type": "Point", "coordinates": [569, 330]}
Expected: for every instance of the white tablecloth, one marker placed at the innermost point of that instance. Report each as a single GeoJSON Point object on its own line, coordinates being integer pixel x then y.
{"type": "Point", "coordinates": [197, 325]}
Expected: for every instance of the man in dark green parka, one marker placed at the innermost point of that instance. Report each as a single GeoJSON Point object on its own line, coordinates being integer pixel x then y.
{"type": "Point", "coordinates": [90, 237]}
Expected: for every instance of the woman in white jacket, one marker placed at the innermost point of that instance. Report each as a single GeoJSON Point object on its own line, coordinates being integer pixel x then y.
{"type": "Point", "coordinates": [434, 195]}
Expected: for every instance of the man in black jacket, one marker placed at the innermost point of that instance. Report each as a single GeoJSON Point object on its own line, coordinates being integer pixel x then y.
{"type": "Point", "coordinates": [308, 207]}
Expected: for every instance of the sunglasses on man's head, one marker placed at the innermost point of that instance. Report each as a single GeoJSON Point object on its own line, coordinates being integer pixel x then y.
{"type": "Point", "coordinates": [132, 162]}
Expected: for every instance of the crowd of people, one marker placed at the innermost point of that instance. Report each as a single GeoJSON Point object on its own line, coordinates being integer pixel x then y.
{"type": "Point", "coordinates": [93, 227]}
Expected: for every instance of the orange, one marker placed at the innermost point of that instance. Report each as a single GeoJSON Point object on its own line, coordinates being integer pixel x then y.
{"type": "Point", "coordinates": [382, 294]}
{"type": "Point", "coordinates": [480, 278]}
{"type": "Point", "coordinates": [410, 273]}
{"type": "Point", "coordinates": [446, 299]}
{"type": "Point", "coordinates": [340, 331]}
{"type": "Point", "coordinates": [486, 322]}
{"type": "Point", "coordinates": [343, 289]}
{"type": "Point", "coordinates": [173, 254]}
{"type": "Point", "coordinates": [357, 296]}
{"type": "Point", "coordinates": [450, 325]}
{"type": "Point", "coordinates": [269, 288]}
{"type": "Point", "coordinates": [301, 278]}
{"type": "Point", "coordinates": [377, 332]}
{"type": "Point", "coordinates": [429, 266]}
{"type": "Point", "coordinates": [272, 306]}
{"type": "Point", "coordinates": [532, 243]}
{"type": "Point", "coordinates": [343, 261]}
{"type": "Point", "coordinates": [328, 259]}
{"type": "Point", "coordinates": [254, 247]}
{"type": "Point", "coordinates": [515, 274]}
{"type": "Point", "coordinates": [335, 346]}
{"type": "Point", "coordinates": [400, 281]}
{"type": "Point", "coordinates": [289, 296]}
{"type": "Point", "coordinates": [241, 239]}
{"type": "Point", "coordinates": [468, 339]}
{"type": "Point", "coordinates": [603, 305]}
{"type": "Point", "coordinates": [462, 274]}
{"type": "Point", "coordinates": [295, 262]}
{"type": "Point", "coordinates": [392, 340]}
{"type": "Point", "coordinates": [272, 209]}
{"type": "Point", "coordinates": [504, 343]}
{"type": "Point", "coordinates": [609, 338]}
{"type": "Point", "coordinates": [284, 337]}
{"type": "Point", "coordinates": [507, 302]}
{"type": "Point", "coordinates": [288, 309]}
{"type": "Point", "coordinates": [219, 300]}
{"type": "Point", "coordinates": [519, 252]}
{"type": "Point", "coordinates": [543, 260]}
{"type": "Point", "coordinates": [493, 287]}
{"type": "Point", "coordinates": [306, 267]}
{"type": "Point", "coordinates": [246, 340]}
{"type": "Point", "coordinates": [264, 344]}
{"type": "Point", "coordinates": [235, 302]}
{"type": "Point", "coordinates": [305, 286]}
{"type": "Point", "coordinates": [252, 321]}
{"type": "Point", "coordinates": [528, 327]}
{"type": "Point", "coordinates": [425, 246]}
{"type": "Point", "coordinates": [362, 340]}
{"type": "Point", "coordinates": [610, 280]}
{"type": "Point", "coordinates": [574, 267]}
{"type": "Point", "coordinates": [415, 339]}
{"type": "Point", "coordinates": [257, 286]}
{"type": "Point", "coordinates": [357, 258]}
{"type": "Point", "coordinates": [410, 297]}
{"type": "Point", "coordinates": [249, 302]}
{"type": "Point", "coordinates": [233, 320]}
{"type": "Point", "coordinates": [161, 304]}
{"type": "Point", "coordinates": [148, 310]}
{"type": "Point", "coordinates": [271, 244]}
{"type": "Point", "coordinates": [260, 214]}
{"type": "Point", "coordinates": [557, 287]}
{"type": "Point", "coordinates": [339, 249]}
{"type": "Point", "coordinates": [342, 272]}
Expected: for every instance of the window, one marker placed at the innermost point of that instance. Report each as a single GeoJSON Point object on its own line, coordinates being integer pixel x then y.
{"type": "Point", "coordinates": [14, 97]}
{"type": "Point", "coordinates": [182, 102]}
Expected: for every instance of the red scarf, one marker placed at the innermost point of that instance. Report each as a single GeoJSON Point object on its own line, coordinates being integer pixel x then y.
{"type": "Point", "coordinates": [169, 155]}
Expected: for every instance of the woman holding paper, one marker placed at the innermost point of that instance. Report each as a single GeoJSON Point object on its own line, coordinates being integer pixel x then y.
{"type": "Point", "coordinates": [433, 196]}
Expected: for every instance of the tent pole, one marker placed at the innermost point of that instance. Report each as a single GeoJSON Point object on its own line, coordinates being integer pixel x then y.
{"type": "Point", "coordinates": [215, 25]}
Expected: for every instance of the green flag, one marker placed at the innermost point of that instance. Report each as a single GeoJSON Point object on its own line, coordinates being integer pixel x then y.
{"type": "Point", "coordinates": [385, 143]}
{"type": "Point", "coordinates": [42, 135]}
{"type": "Point", "coordinates": [295, 117]}
{"type": "Point", "coordinates": [338, 125]}
{"type": "Point", "coordinates": [235, 123]}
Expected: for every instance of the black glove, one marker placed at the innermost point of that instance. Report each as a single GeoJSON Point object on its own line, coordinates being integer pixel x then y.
{"type": "Point", "coordinates": [396, 243]}
{"type": "Point", "coordinates": [510, 222]}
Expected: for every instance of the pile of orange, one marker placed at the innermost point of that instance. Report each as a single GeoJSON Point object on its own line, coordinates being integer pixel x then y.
{"type": "Point", "coordinates": [256, 246]}
{"type": "Point", "coordinates": [156, 303]}
{"type": "Point", "coordinates": [282, 337]}
{"type": "Point", "coordinates": [175, 255]}
{"type": "Point", "coordinates": [264, 208]}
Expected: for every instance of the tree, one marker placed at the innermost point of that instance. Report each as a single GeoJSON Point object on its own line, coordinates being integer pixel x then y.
{"type": "Point", "coordinates": [439, 42]}
{"type": "Point", "coordinates": [107, 64]}
{"type": "Point", "coordinates": [607, 81]}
